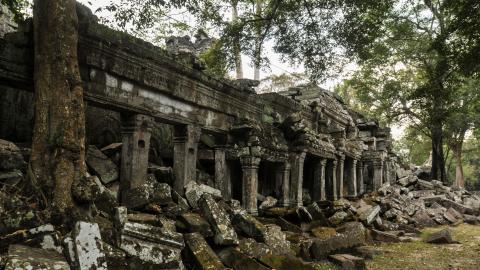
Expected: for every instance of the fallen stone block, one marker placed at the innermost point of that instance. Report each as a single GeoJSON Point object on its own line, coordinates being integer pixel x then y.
{"type": "Point", "coordinates": [10, 157]}
{"type": "Point", "coordinates": [347, 261]}
{"type": "Point", "coordinates": [422, 184]}
{"type": "Point", "coordinates": [37, 237]}
{"type": "Point", "coordinates": [454, 213]}
{"type": "Point", "coordinates": [193, 222]}
{"type": "Point", "coordinates": [471, 219]}
{"type": "Point", "coordinates": [194, 191]}
{"type": "Point", "coordinates": [303, 214]}
{"type": "Point", "coordinates": [28, 258]}
{"type": "Point", "coordinates": [249, 225]}
{"type": "Point", "coordinates": [116, 258]}
{"type": "Point", "coordinates": [422, 193]}
{"type": "Point", "coordinates": [144, 218]}
{"type": "Point", "coordinates": [317, 213]}
{"type": "Point", "coordinates": [349, 235]}
{"type": "Point", "coordinates": [287, 225]}
{"type": "Point", "coordinates": [368, 214]}
{"type": "Point", "coordinates": [150, 192]}
{"type": "Point", "coordinates": [200, 254]}
{"type": "Point", "coordinates": [276, 239]}
{"type": "Point", "coordinates": [323, 232]}
{"type": "Point", "coordinates": [384, 236]}
{"type": "Point", "coordinates": [254, 249]}
{"type": "Point", "coordinates": [102, 166]}
{"type": "Point", "coordinates": [449, 217]}
{"type": "Point", "coordinates": [269, 202]}
{"type": "Point", "coordinates": [433, 199]}
{"type": "Point", "coordinates": [457, 206]}
{"type": "Point", "coordinates": [235, 259]}
{"type": "Point", "coordinates": [338, 218]}
{"type": "Point", "coordinates": [219, 220]}
{"type": "Point", "coordinates": [152, 245]}
{"type": "Point", "coordinates": [422, 219]}
{"type": "Point", "coordinates": [441, 237]}
{"type": "Point", "coordinates": [88, 248]}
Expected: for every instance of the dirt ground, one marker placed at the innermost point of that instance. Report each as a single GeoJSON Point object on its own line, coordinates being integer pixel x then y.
{"type": "Point", "coordinates": [423, 256]}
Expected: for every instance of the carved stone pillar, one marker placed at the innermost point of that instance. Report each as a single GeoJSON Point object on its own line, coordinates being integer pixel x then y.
{"type": "Point", "coordinates": [285, 186]}
{"type": "Point", "coordinates": [352, 182]}
{"type": "Point", "coordinates": [222, 173]}
{"type": "Point", "coordinates": [360, 183]}
{"type": "Point", "coordinates": [334, 194]}
{"type": "Point", "coordinates": [136, 133]}
{"type": "Point", "coordinates": [250, 183]}
{"type": "Point", "coordinates": [185, 146]}
{"type": "Point", "coordinates": [340, 168]}
{"type": "Point", "coordinates": [377, 174]}
{"type": "Point", "coordinates": [296, 179]}
{"type": "Point", "coordinates": [319, 180]}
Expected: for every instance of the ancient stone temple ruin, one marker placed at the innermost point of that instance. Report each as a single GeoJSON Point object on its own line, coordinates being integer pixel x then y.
{"type": "Point", "coordinates": [299, 145]}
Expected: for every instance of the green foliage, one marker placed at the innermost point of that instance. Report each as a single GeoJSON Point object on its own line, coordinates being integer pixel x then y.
{"type": "Point", "coordinates": [17, 7]}
{"type": "Point", "coordinates": [215, 60]}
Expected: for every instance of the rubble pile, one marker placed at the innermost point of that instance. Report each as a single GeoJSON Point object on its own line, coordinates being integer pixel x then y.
{"type": "Point", "coordinates": [155, 227]}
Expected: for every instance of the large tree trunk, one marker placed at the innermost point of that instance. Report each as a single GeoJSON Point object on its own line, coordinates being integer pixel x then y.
{"type": "Point", "coordinates": [257, 56]}
{"type": "Point", "coordinates": [459, 176]}
{"type": "Point", "coordinates": [237, 52]}
{"type": "Point", "coordinates": [438, 159]}
{"type": "Point", "coordinates": [58, 147]}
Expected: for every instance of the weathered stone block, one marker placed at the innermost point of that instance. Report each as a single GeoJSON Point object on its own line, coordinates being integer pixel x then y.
{"type": "Point", "coordinates": [101, 165]}
{"type": "Point", "coordinates": [457, 206]}
{"type": "Point", "coordinates": [249, 225]}
{"type": "Point", "coordinates": [10, 156]}
{"type": "Point", "coordinates": [269, 202]}
{"type": "Point", "coordinates": [368, 213]}
{"type": "Point", "coordinates": [350, 235]}
{"type": "Point", "coordinates": [88, 246]}
{"type": "Point", "coordinates": [384, 236]}
{"type": "Point", "coordinates": [151, 244]}
{"type": "Point", "coordinates": [193, 222]}
{"type": "Point", "coordinates": [201, 255]}
{"type": "Point", "coordinates": [276, 239]}
{"type": "Point", "coordinates": [219, 220]}
{"type": "Point", "coordinates": [441, 237]}
{"type": "Point", "coordinates": [348, 262]}
{"type": "Point", "coordinates": [194, 191]}
{"type": "Point", "coordinates": [237, 260]}
{"type": "Point", "coordinates": [28, 258]}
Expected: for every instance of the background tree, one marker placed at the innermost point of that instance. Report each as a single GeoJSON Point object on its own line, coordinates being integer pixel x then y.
{"type": "Point", "coordinates": [413, 73]}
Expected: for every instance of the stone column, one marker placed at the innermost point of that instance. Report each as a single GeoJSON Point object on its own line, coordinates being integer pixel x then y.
{"type": "Point", "coordinates": [185, 145]}
{"type": "Point", "coordinates": [136, 133]}
{"type": "Point", "coordinates": [222, 173]}
{"type": "Point", "coordinates": [352, 182]}
{"type": "Point", "coordinates": [334, 180]}
{"type": "Point", "coordinates": [377, 174]}
{"type": "Point", "coordinates": [340, 168]}
{"type": "Point", "coordinates": [360, 183]}
{"type": "Point", "coordinates": [296, 178]}
{"type": "Point", "coordinates": [319, 180]}
{"type": "Point", "coordinates": [285, 174]}
{"type": "Point", "coordinates": [250, 183]}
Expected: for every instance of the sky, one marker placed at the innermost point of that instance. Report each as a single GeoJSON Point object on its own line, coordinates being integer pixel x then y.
{"type": "Point", "coordinates": [277, 66]}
